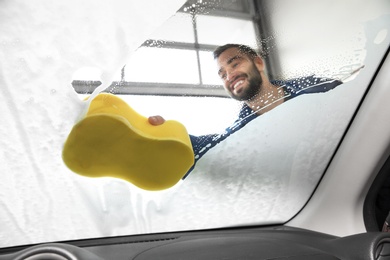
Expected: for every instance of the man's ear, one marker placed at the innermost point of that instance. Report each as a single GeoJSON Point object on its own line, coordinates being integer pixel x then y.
{"type": "Point", "coordinates": [259, 63]}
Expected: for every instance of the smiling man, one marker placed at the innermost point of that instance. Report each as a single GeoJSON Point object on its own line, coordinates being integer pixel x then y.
{"type": "Point", "coordinates": [242, 71]}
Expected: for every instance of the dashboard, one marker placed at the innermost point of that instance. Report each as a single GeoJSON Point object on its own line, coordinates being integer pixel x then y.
{"type": "Point", "coordinates": [275, 243]}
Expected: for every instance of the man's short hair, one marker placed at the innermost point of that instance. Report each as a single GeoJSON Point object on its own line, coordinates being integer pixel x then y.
{"type": "Point", "coordinates": [242, 48]}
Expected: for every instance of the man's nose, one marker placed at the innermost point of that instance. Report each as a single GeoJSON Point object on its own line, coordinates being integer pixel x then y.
{"type": "Point", "coordinates": [230, 74]}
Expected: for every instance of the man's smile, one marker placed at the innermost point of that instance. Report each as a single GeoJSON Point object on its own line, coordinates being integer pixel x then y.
{"type": "Point", "coordinates": [237, 84]}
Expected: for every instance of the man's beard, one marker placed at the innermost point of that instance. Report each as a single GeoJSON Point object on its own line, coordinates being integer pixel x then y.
{"type": "Point", "coordinates": [253, 89]}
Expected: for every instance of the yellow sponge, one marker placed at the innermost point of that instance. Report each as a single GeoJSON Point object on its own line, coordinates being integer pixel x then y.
{"type": "Point", "coordinates": [113, 140]}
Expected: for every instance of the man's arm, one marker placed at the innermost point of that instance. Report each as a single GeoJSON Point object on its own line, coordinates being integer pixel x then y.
{"type": "Point", "coordinates": [200, 144]}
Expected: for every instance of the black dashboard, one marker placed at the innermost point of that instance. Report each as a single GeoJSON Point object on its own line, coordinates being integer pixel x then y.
{"type": "Point", "coordinates": [274, 243]}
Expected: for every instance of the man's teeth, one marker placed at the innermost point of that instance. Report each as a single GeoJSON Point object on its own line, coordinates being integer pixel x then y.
{"type": "Point", "coordinates": [238, 83]}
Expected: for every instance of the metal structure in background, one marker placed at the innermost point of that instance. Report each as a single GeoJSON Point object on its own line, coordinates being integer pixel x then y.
{"type": "Point", "coordinates": [265, 36]}
{"type": "Point", "coordinates": [244, 9]}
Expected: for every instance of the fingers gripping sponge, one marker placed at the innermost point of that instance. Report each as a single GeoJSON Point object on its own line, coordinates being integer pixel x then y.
{"type": "Point", "coordinates": [113, 140]}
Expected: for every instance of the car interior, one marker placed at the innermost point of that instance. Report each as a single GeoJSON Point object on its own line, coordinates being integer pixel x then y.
{"type": "Point", "coordinates": [309, 179]}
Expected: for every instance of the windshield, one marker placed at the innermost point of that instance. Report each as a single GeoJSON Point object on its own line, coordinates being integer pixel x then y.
{"type": "Point", "coordinates": [254, 163]}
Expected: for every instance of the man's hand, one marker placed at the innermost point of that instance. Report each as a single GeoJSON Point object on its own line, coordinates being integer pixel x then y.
{"type": "Point", "coordinates": [156, 120]}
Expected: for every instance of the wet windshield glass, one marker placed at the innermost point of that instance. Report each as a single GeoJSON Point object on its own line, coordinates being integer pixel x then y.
{"type": "Point", "coordinates": [257, 159]}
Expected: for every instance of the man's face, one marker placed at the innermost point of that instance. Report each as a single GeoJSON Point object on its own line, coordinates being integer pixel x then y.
{"type": "Point", "coordinates": [241, 78]}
